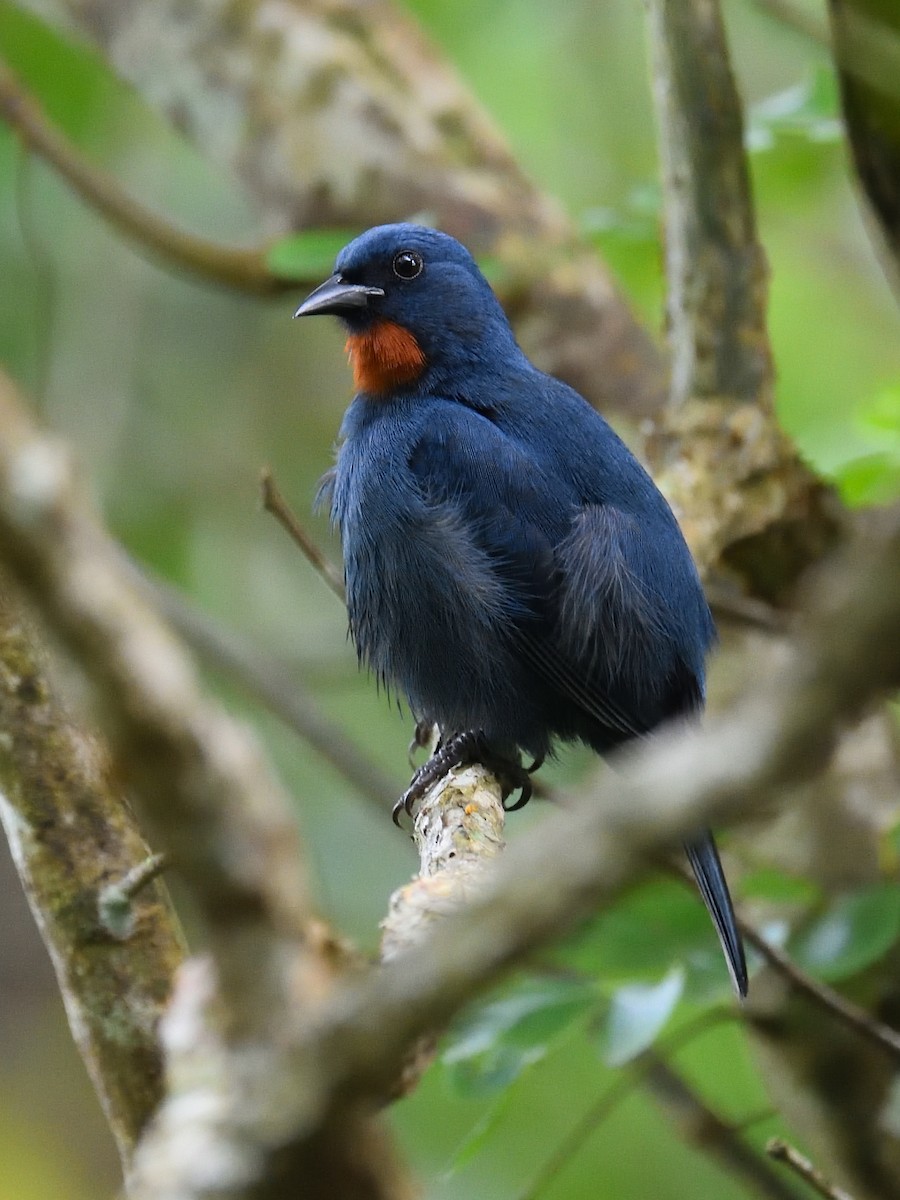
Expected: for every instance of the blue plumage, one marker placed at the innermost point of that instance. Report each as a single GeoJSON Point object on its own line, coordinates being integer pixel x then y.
{"type": "Point", "coordinates": [510, 566]}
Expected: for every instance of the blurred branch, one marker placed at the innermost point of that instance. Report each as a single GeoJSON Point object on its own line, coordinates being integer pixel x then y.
{"type": "Point", "coordinates": [275, 503]}
{"type": "Point", "coordinates": [199, 776]}
{"type": "Point", "coordinates": [243, 269]}
{"type": "Point", "coordinates": [797, 16]}
{"type": "Point", "coordinates": [72, 836]}
{"type": "Point", "coordinates": [205, 786]}
{"type": "Point", "coordinates": [866, 39]}
{"type": "Point", "coordinates": [261, 89]}
{"type": "Point", "coordinates": [704, 1128]}
{"type": "Point", "coordinates": [784, 1152]}
{"type": "Point", "coordinates": [715, 266]}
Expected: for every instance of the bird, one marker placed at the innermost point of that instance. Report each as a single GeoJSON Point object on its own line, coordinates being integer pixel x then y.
{"type": "Point", "coordinates": [510, 566]}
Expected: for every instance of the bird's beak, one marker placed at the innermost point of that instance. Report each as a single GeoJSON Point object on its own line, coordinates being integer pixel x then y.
{"type": "Point", "coordinates": [335, 295]}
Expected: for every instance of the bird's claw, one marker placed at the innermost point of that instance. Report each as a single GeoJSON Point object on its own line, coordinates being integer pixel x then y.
{"type": "Point", "coordinates": [468, 746]}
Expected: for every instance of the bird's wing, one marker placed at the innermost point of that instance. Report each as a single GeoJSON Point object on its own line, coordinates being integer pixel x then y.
{"type": "Point", "coordinates": [530, 526]}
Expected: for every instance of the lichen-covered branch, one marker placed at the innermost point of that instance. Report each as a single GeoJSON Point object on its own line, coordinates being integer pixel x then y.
{"type": "Point", "coordinates": [72, 834]}
{"type": "Point", "coordinates": [747, 504]}
{"type": "Point", "coordinates": [341, 113]}
{"type": "Point", "coordinates": [200, 777]}
{"type": "Point", "coordinates": [207, 791]}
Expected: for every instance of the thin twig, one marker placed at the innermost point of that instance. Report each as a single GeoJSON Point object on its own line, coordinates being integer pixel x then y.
{"type": "Point", "coordinates": [269, 681]}
{"type": "Point", "coordinates": [784, 1152]}
{"type": "Point", "coordinates": [825, 997]}
{"type": "Point", "coordinates": [706, 1129]}
{"type": "Point", "coordinates": [245, 270]}
{"type": "Point", "coordinates": [275, 503]}
{"type": "Point", "coordinates": [114, 902]}
{"type": "Point", "coordinates": [609, 1100]}
{"type": "Point", "coordinates": [820, 994]}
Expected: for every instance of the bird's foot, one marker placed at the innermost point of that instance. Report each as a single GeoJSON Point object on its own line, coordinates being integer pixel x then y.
{"type": "Point", "coordinates": [468, 747]}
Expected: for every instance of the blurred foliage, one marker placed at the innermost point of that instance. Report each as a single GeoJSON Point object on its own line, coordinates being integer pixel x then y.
{"type": "Point", "coordinates": [175, 395]}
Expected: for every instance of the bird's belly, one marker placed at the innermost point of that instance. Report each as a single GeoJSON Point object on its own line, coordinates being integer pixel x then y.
{"type": "Point", "coordinates": [430, 626]}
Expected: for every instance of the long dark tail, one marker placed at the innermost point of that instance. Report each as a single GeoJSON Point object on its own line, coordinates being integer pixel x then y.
{"type": "Point", "coordinates": [704, 859]}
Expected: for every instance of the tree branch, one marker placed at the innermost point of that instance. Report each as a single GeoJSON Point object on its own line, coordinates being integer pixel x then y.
{"type": "Point", "coordinates": [866, 40]}
{"type": "Point", "coordinates": [261, 88]}
{"type": "Point", "coordinates": [246, 270]}
{"type": "Point", "coordinates": [744, 499]}
{"type": "Point", "coordinates": [72, 835]}
{"type": "Point", "coordinates": [204, 785]}
{"type": "Point", "coordinates": [784, 1152]}
{"type": "Point", "coordinates": [200, 777]}
{"type": "Point", "coordinates": [715, 267]}
{"type": "Point", "coordinates": [704, 1128]}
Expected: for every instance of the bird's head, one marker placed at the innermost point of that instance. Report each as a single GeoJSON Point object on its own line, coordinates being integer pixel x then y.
{"type": "Point", "coordinates": [418, 310]}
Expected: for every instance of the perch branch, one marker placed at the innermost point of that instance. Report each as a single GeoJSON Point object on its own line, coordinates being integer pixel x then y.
{"type": "Point", "coordinates": [236, 268]}
{"type": "Point", "coordinates": [785, 1153]}
{"type": "Point", "coordinates": [73, 836]}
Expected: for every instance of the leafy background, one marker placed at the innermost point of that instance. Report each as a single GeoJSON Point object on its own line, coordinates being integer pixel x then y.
{"type": "Point", "coordinates": [175, 395]}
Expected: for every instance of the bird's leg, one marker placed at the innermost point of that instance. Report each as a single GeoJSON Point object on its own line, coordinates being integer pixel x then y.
{"type": "Point", "coordinates": [466, 747]}
{"type": "Point", "coordinates": [421, 737]}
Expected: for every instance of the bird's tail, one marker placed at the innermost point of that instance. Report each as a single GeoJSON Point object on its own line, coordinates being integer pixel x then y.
{"type": "Point", "coordinates": [704, 859]}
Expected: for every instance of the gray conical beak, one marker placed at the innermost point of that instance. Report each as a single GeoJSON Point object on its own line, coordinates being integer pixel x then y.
{"type": "Point", "coordinates": [335, 295]}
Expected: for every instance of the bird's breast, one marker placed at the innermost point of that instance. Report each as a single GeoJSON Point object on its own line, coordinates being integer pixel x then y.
{"type": "Point", "coordinates": [384, 357]}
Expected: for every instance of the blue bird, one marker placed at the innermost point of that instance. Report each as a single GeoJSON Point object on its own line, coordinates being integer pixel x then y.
{"type": "Point", "coordinates": [509, 564]}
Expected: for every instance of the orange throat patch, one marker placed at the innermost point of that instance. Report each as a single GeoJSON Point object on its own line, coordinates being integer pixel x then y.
{"type": "Point", "coordinates": [384, 357]}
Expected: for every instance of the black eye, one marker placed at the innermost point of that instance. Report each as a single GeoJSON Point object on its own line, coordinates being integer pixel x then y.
{"type": "Point", "coordinates": [407, 264]}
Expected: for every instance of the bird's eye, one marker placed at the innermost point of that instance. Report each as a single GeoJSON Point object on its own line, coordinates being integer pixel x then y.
{"type": "Point", "coordinates": [407, 264]}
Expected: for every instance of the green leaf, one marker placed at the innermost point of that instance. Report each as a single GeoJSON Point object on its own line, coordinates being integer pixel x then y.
{"type": "Point", "coordinates": [857, 929]}
{"type": "Point", "coordinates": [637, 1016]}
{"type": "Point", "coordinates": [308, 255]}
{"type": "Point", "coordinates": [870, 479]}
{"type": "Point", "coordinates": [810, 110]}
{"type": "Point", "coordinates": [496, 1041]}
{"type": "Point", "coordinates": [778, 887]}
{"type": "Point", "coordinates": [653, 927]}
